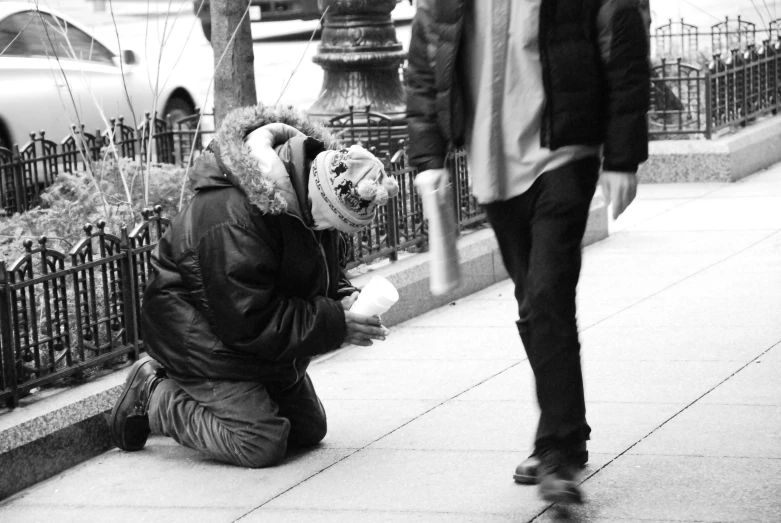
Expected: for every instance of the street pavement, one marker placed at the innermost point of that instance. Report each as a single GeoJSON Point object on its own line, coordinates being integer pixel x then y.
{"type": "Point", "coordinates": [679, 317]}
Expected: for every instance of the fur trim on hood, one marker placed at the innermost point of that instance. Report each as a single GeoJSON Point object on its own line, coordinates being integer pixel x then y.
{"type": "Point", "coordinates": [234, 153]}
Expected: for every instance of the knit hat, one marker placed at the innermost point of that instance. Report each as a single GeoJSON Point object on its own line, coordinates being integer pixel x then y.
{"type": "Point", "coordinates": [346, 186]}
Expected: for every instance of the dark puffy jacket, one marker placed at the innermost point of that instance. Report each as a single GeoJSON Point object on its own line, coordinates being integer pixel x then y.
{"type": "Point", "coordinates": [595, 71]}
{"type": "Point", "coordinates": [241, 294]}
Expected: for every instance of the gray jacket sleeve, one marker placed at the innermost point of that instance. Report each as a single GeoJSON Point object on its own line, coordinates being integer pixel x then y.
{"type": "Point", "coordinates": [427, 146]}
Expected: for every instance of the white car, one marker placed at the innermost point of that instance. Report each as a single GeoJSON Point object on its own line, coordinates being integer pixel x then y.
{"type": "Point", "coordinates": [54, 73]}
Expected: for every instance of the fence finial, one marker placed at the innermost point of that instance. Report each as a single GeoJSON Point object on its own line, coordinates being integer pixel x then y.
{"type": "Point", "coordinates": [28, 245]}
{"type": "Point", "coordinates": [88, 229]}
{"type": "Point", "coordinates": [101, 225]}
{"type": "Point", "coordinates": [42, 241]}
{"type": "Point", "coordinates": [159, 210]}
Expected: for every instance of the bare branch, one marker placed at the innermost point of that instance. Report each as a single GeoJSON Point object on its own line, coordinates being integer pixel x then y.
{"type": "Point", "coordinates": [122, 66]}
{"type": "Point", "coordinates": [200, 116]}
{"type": "Point", "coordinates": [20, 34]}
{"type": "Point", "coordinates": [320, 23]}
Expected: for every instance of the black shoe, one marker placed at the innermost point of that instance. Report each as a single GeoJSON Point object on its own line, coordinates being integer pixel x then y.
{"type": "Point", "coordinates": [556, 475]}
{"type": "Point", "coordinates": [526, 472]}
{"type": "Point", "coordinates": [129, 422]}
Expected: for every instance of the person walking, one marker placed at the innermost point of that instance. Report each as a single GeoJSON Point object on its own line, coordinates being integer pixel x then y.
{"type": "Point", "coordinates": [246, 287]}
{"type": "Point", "coordinates": [542, 93]}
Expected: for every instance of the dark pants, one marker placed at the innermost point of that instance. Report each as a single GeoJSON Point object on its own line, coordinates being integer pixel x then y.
{"type": "Point", "coordinates": [539, 235]}
{"type": "Point", "coordinates": [247, 424]}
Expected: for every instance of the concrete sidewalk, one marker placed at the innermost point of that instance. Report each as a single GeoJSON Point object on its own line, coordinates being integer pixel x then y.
{"type": "Point", "coordinates": [680, 313]}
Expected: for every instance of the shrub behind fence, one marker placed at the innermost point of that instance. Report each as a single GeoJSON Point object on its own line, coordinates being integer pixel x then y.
{"type": "Point", "coordinates": [25, 171]}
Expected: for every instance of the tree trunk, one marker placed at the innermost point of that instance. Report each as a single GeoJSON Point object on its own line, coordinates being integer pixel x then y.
{"type": "Point", "coordinates": [234, 79]}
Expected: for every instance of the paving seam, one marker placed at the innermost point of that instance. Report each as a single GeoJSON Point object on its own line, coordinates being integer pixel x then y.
{"type": "Point", "coordinates": [730, 256]}
{"type": "Point", "coordinates": [777, 344]}
{"type": "Point", "coordinates": [645, 231]}
{"type": "Point", "coordinates": [702, 456]}
{"type": "Point", "coordinates": [414, 511]}
{"type": "Point", "coordinates": [774, 232]}
{"type": "Point", "coordinates": [518, 363]}
{"type": "Point", "coordinates": [356, 451]}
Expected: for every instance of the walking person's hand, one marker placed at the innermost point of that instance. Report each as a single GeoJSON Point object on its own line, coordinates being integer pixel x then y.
{"type": "Point", "coordinates": [619, 189]}
{"type": "Point", "coordinates": [361, 330]}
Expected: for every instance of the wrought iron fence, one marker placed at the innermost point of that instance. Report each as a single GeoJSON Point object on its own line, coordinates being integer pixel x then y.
{"type": "Point", "coordinates": [375, 131]}
{"type": "Point", "coordinates": [399, 225]}
{"type": "Point", "coordinates": [25, 171]}
{"type": "Point", "coordinates": [704, 81]}
{"type": "Point", "coordinates": [677, 39]}
{"type": "Point", "coordinates": [63, 313]}
{"type": "Point", "coordinates": [731, 91]}
{"type": "Point", "coordinates": [680, 102]}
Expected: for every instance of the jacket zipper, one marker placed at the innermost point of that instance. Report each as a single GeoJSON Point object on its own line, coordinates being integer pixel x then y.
{"type": "Point", "coordinates": [322, 251]}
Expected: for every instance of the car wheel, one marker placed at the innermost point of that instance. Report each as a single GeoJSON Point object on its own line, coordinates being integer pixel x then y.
{"type": "Point", "coordinates": [178, 108]}
{"type": "Point", "coordinates": [5, 141]}
{"type": "Point", "coordinates": [206, 25]}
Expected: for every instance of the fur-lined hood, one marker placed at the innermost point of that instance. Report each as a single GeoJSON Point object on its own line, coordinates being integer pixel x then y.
{"type": "Point", "coordinates": [227, 160]}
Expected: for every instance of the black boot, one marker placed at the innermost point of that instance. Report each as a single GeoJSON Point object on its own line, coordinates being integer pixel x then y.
{"type": "Point", "coordinates": [129, 422]}
{"type": "Point", "coordinates": [557, 477]}
{"type": "Point", "coordinates": [526, 472]}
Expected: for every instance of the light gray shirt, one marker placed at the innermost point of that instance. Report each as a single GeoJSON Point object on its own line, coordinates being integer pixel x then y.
{"type": "Point", "coordinates": [506, 100]}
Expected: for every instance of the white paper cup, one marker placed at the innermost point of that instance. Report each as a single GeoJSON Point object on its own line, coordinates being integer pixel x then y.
{"type": "Point", "coordinates": [377, 297]}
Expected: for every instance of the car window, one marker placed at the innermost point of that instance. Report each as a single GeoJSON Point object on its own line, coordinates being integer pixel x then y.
{"type": "Point", "coordinates": [13, 40]}
{"type": "Point", "coordinates": [37, 34]}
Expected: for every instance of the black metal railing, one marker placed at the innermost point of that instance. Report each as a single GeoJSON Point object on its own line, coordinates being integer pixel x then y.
{"type": "Point", "coordinates": [730, 92]}
{"type": "Point", "coordinates": [677, 39]}
{"type": "Point", "coordinates": [25, 171]}
{"type": "Point", "coordinates": [399, 225]}
{"type": "Point", "coordinates": [705, 81]}
{"type": "Point", "coordinates": [61, 314]}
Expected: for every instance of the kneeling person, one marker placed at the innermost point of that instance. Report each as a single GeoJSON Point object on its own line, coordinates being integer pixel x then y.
{"type": "Point", "coordinates": [246, 288]}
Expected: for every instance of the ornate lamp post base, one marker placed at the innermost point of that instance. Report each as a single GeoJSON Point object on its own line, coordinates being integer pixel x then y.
{"type": "Point", "coordinates": [360, 56]}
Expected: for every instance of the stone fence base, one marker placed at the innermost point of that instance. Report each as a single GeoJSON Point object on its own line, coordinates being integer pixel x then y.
{"type": "Point", "coordinates": [726, 159]}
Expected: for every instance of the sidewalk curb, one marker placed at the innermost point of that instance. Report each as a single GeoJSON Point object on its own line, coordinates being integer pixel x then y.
{"type": "Point", "coordinates": [44, 437]}
{"type": "Point", "coordinates": [725, 159]}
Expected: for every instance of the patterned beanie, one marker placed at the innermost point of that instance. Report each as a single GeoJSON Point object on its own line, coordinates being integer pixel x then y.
{"type": "Point", "coordinates": [346, 186]}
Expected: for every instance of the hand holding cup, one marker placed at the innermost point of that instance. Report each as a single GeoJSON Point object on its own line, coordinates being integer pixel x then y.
{"type": "Point", "coordinates": [361, 329]}
{"type": "Point", "coordinates": [362, 313]}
